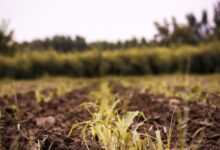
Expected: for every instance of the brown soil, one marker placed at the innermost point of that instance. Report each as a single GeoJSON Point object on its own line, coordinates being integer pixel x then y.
{"type": "Point", "coordinates": [25, 124]}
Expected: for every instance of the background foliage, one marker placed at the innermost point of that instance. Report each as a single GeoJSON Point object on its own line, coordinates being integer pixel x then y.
{"type": "Point", "coordinates": [186, 59]}
{"type": "Point", "coordinates": [189, 48]}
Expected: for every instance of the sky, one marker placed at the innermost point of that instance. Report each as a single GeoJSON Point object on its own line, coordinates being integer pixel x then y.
{"type": "Point", "coordinates": [95, 19]}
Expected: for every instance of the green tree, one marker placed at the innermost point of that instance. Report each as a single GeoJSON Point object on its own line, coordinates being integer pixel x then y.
{"type": "Point", "coordinates": [217, 20]}
{"type": "Point", "coordinates": [80, 43]}
{"type": "Point", "coordinates": [163, 35]}
{"type": "Point", "coordinates": [143, 42]}
{"type": "Point", "coordinates": [6, 38]}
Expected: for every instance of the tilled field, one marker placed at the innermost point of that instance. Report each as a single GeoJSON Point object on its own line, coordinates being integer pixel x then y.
{"type": "Point", "coordinates": [27, 124]}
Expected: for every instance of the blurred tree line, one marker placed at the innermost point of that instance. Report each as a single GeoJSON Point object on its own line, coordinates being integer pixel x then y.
{"type": "Point", "coordinates": [63, 43]}
{"type": "Point", "coordinates": [194, 32]}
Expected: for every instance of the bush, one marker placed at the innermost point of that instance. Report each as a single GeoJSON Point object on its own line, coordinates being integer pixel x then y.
{"type": "Point", "coordinates": [204, 58]}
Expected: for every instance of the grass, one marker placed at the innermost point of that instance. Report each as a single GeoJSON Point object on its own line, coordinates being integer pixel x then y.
{"type": "Point", "coordinates": [200, 59]}
{"type": "Point", "coordinates": [115, 131]}
{"type": "Point", "coordinates": [111, 125]}
{"type": "Point", "coordinates": [62, 84]}
{"type": "Point", "coordinates": [189, 88]}
{"type": "Point", "coordinates": [169, 85]}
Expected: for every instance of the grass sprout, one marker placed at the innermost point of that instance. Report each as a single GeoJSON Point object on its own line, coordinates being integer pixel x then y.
{"type": "Point", "coordinates": [112, 130]}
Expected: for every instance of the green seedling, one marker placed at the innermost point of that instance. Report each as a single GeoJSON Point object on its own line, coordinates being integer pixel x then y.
{"type": "Point", "coordinates": [41, 97]}
{"type": "Point", "coordinates": [114, 131]}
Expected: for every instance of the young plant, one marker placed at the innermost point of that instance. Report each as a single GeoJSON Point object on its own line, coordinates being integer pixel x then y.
{"type": "Point", "coordinates": [112, 130]}
{"type": "Point", "coordinates": [41, 97]}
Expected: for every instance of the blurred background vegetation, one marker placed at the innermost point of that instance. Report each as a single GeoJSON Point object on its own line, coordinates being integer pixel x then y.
{"type": "Point", "coordinates": [193, 47]}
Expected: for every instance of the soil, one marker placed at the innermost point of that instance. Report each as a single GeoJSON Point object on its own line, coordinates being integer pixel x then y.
{"type": "Point", "coordinates": [25, 124]}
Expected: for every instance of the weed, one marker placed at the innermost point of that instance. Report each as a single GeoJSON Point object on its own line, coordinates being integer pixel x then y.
{"type": "Point", "coordinates": [42, 97]}
{"type": "Point", "coordinates": [115, 131]}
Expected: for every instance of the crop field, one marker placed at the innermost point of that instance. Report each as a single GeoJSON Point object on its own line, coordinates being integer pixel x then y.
{"type": "Point", "coordinates": [166, 112]}
{"type": "Point", "coordinates": [200, 59]}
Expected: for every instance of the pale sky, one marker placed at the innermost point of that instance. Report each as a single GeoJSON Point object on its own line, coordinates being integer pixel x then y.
{"type": "Point", "coordinates": [95, 19]}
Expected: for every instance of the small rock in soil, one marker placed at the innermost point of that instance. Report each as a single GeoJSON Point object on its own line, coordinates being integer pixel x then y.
{"type": "Point", "coordinates": [45, 121]}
